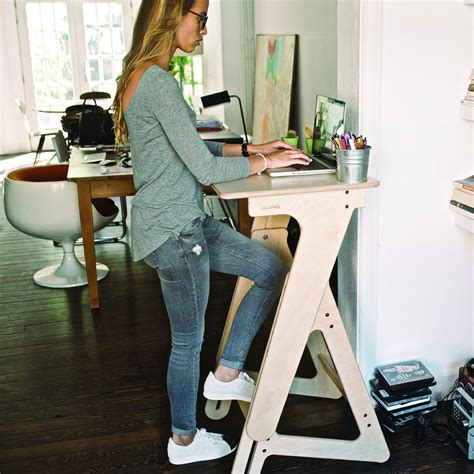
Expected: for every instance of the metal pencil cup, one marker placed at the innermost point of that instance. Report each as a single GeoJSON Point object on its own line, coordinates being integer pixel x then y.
{"type": "Point", "coordinates": [352, 165]}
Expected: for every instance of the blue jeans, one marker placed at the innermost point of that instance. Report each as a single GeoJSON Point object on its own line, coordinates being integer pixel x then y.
{"type": "Point", "coordinates": [183, 264]}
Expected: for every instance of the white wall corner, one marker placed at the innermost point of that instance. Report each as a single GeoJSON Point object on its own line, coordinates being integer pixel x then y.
{"type": "Point", "coordinates": [444, 382]}
{"type": "Point", "coordinates": [13, 136]}
{"type": "Point", "coordinates": [370, 66]}
{"type": "Point", "coordinates": [212, 60]}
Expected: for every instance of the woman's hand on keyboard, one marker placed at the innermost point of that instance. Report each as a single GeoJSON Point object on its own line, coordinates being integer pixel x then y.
{"type": "Point", "coordinates": [284, 158]}
{"type": "Point", "coordinates": [270, 147]}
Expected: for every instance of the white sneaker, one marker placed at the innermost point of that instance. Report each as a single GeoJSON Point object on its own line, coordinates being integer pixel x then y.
{"type": "Point", "coordinates": [205, 447]}
{"type": "Point", "coordinates": [241, 388]}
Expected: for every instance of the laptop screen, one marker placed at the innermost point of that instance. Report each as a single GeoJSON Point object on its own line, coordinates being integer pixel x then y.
{"type": "Point", "coordinates": [328, 120]}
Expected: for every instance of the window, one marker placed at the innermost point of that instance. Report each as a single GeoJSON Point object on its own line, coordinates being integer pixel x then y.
{"type": "Point", "coordinates": [50, 52]}
{"type": "Point", "coordinates": [70, 47]}
{"type": "Point", "coordinates": [187, 70]}
{"type": "Point", "coordinates": [105, 46]}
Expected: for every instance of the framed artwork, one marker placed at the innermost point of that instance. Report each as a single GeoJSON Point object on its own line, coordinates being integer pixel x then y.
{"type": "Point", "coordinates": [274, 67]}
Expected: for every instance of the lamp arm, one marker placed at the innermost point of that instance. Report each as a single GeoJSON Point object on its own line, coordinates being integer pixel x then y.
{"type": "Point", "coordinates": [242, 115]}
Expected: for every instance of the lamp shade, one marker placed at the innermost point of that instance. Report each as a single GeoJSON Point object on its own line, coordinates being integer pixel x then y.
{"type": "Point", "coordinates": [215, 99]}
{"type": "Point", "coordinates": [221, 98]}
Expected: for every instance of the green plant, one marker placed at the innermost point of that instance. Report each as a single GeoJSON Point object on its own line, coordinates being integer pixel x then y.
{"type": "Point", "coordinates": [291, 134]}
{"type": "Point", "coordinates": [182, 68]}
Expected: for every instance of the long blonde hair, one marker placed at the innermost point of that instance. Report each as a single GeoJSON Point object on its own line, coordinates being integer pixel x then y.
{"type": "Point", "coordinates": [153, 33]}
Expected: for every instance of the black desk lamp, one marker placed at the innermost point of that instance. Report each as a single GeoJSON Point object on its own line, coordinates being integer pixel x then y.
{"type": "Point", "coordinates": [221, 98]}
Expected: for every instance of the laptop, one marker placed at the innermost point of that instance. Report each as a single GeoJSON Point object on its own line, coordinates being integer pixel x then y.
{"type": "Point", "coordinates": [60, 147]}
{"type": "Point", "coordinates": [328, 120]}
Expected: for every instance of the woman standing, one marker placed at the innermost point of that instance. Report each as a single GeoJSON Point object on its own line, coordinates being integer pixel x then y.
{"type": "Point", "coordinates": [170, 230]}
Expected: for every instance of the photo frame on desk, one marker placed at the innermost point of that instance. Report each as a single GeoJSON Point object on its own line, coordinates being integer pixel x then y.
{"type": "Point", "coordinates": [274, 84]}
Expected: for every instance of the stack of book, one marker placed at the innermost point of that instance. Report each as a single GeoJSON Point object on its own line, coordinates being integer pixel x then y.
{"type": "Point", "coordinates": [469, 97]}
{"type": "Point", "coordinates": [403, 395]}
{"type": "Point", "coordinates": [463, 196]}
{"type": "Point", "coordinates": [207, 123]}
{"type": "Point", "coordinates": [462, 201]}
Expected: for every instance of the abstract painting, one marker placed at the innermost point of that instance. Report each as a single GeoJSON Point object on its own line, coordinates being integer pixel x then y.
{"type": "Point", "coordinates": [275, 59]}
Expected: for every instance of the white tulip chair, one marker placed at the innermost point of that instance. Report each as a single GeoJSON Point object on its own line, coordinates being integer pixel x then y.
{"type": "Point", "coordinates": [39, 201]}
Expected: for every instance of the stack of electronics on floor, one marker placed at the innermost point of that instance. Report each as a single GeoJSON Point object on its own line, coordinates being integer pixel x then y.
{"type": "Point", "coordinates": [462, 418]}
{"type": "Point", "coordinates": [403, 395]}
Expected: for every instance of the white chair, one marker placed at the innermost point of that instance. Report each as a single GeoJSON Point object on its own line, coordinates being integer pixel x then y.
{"type": "Point", "coordinates": [35, 133]}
{"type": "Point", "coordinates": [40, 202]}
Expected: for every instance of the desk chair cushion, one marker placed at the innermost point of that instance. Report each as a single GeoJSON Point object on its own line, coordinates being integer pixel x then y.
{"type": "Point", "coordinates": [105, 206]}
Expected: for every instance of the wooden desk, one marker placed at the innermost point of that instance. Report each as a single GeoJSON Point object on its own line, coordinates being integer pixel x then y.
{"type": "Point", "coordinates": [306, 314]}
{"type": "Point", "coordinates": [92, 184]}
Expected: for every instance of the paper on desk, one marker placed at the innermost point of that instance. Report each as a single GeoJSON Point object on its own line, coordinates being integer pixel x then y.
{"type": "Point", "coordinates": [115, 169]}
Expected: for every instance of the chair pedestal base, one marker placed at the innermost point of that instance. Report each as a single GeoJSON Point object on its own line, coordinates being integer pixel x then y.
{"type": "Point", "coordinates": [70, 273]}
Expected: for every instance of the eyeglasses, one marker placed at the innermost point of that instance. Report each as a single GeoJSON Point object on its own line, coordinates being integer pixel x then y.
{"type": "Point", "coordinates": [202, 19]}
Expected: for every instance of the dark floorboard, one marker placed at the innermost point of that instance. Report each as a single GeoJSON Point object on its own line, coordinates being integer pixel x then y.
{"type": "Point", "coordinates": [84, 391]}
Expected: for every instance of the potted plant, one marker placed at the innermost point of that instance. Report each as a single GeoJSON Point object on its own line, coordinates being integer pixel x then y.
{"type": "Point", "coordinates": [291, 138]}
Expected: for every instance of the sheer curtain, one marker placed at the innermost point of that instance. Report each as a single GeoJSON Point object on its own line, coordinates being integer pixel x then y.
{"type": "Point", "coordinates": [13, 136]}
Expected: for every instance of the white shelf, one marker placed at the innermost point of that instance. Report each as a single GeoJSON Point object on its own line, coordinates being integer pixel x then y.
{"type": "Point", "coordinates": [462, 219]}
{"type": "Point", "coordinates": [467, 111]}
{"type": "Point", "coordinates": [469, 2]}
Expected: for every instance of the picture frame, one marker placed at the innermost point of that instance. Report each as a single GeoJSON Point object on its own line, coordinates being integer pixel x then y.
{"type": "Point", "coordinates": [274, 84]}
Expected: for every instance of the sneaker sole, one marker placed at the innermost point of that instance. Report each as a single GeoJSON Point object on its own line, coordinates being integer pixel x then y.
{"type": "Point", "coordinates": [202, 458]}
{"type": "Point", "coordinates": [223, 397]}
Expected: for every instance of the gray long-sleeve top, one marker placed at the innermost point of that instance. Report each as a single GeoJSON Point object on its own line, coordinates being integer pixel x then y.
{"type": "Point", "coordinates": [170, 162]}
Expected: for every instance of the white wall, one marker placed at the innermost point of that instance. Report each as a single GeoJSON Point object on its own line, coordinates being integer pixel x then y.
{"type": "Point", "coordinates": [424, 284]}
{"type": "Point", "coordinates": [235, 63]}
{"type": "Point", "coordinates": [315, 23]}
{"type": "Point", "coordinates": [13, 136]}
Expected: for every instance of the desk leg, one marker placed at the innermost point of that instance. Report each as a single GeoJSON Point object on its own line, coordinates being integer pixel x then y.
{"type": "Point", "coordinates": [87, 227]}
{"type": "Point", "coordinates": [370, 445]}
{"type": "Point", "coordinates": [323, 218]}
{"type": "Point", "coordinates": [245, 221]}
{"type": "Point", "coordinates": [271, 232]}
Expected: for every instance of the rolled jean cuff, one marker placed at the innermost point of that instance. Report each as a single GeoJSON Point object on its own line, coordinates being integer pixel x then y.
{"type": "Point", "coordinates": [231, 364]}
{"type": "Point", "coordinates": [179, 432]}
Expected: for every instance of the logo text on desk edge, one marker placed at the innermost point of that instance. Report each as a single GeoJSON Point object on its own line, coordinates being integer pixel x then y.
{"type": "Point", "coordinates": [270, 206]}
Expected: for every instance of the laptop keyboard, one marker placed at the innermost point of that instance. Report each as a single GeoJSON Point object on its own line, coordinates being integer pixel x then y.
{"type": "Point", "coordinates": [314, 165]}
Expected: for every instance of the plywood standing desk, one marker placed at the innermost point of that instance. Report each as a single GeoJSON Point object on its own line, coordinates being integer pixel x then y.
{"type": "Point", "coordinates": [306, 314]}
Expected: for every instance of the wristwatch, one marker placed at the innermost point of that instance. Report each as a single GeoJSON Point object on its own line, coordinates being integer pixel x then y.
{"type": "Point", "coordinates": [244, 149]}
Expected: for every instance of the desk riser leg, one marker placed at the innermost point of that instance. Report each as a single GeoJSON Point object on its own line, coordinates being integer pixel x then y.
{"type": "Point", "coordinates": [339, 359]}
{"type": "Point", "coordinates": [323, 219]}
{"type": "Point", "coordinates": [270, 234]}
{"type": "Point", "coordinates": [371, 439]}
{"type": "Point", "coordinates": [321, 385]}
{"type": "Point", "coordinates": [274, 237]}
{"type": "Point", "coordinates": [243, 454]}
{"type": "Point", "coordinates": [217, 409]}
{"type": "Point", "coordinates": [323, 448]}
{"type": "Point", "coordinates": [87, 226]}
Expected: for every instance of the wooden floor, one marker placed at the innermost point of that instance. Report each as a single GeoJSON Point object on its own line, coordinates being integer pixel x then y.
{"type": "Point", "coordinates": [84, 391]}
